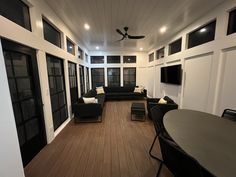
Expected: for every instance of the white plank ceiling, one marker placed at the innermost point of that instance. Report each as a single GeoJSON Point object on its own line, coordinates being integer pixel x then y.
{"type": "Point", "coordinates": [143, 17]}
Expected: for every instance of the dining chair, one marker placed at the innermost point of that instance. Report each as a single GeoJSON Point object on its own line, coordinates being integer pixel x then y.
{"type": "Point", "coordinates": [177, 161]}
{"type": "Point", "coordinates": [157, 118]}
{"type": "Point", "coordinates": [229, 114]}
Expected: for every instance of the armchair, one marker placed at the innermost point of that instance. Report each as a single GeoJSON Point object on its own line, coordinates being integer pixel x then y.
{"type": "Point", "coordinates": [151, 102]}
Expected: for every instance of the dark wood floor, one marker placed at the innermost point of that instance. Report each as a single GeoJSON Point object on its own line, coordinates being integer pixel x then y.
{"type": "Point", "coordinates": [117, 147]}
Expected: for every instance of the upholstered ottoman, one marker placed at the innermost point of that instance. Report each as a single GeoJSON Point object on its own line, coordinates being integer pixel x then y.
{"type": "Point", "coordinates": [138, 110]}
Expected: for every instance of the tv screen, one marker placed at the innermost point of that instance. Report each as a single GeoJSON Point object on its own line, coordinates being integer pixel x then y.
{"type": "Point", "coordinates": [171, 74]}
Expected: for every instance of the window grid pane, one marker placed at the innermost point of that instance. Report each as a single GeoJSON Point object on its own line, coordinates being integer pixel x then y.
{"type": "Point", "coordinates": [129, 77]}
{"type": "Point", "coordinates": [113, 59]}
{"type": "Point", "coordinates": [97, 75]}
{"type": "Point", "coordinates": [129, 59]}
{"type": "Point", "coordinates": [160, 53]}
{"type": "Point", "coordinates": [70, 46]}
{"type": "Point", "coordinates": [82, 85]}
{"type": "Point", "coordinates": [113, 76]}
{"type": "Point", "coordinates": [97, 59]}
{"type": "Point", "coordinates": [175, 46]}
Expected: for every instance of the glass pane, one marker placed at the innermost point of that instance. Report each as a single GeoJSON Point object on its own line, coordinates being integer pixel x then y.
{"type": "Point", "coordinates": [160, 53]}
{"type": "Point", "coordinates": [13, 91]}
{"type": "Point", "coordinates": [17, 113]}
{"type": "Point", "coordinates": [232, 22]}
{"type": "Point", "coordinates": [61, 98]}
{"type": "Point", "coordinates": [129, 59]}
{"type": "Point", "coordinates": [64, 114]}
{"type": "Point", "coordinates": [175, 46]}
{"type": "Point", "coordinates": [51, 34]}
{"type": "Point", "coordinates": [113, 59]}
{"type": "Point", "coordinates": [32, 128]}
{"type": "Point", "coordinates": [56, 119]}
{"type": "Point", "coordinates": [54, 102]}
{"type": "Point", "coordinates": [50, 66]}
{"type": "Point", "coordinates": [20, 64]}
{"type": "Point", "coordinates": [70, 46]}
{"type": "Point", "coordinates": [52, 84]}
{"type": "Point", "coordinates": [57, 67]}
{"type": "Point", "coordinates": [202, 35]}
{"type": "Point", "coordinates": [97, 59]}
{"type": "Point", "coordinates": [151, 57]}
{"type": "Point", "coordinates": [8, 64]}
{"type": "Point", "coordinates": [59, 81]}
{"type": "Point", "coordinates": [16, 11]}
{"type": "Point", "coordinates": [21, 135]}
{"type": "Point", "coordinates": [24, 88]}
{"type": "Point", "coordinates": [28, 109]}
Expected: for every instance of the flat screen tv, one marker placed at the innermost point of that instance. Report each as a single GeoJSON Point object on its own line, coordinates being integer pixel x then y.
{"type": "Point", "coordinates": [171, 74]}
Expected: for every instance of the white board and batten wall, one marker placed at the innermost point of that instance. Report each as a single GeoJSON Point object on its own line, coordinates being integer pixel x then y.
{"type": "Point", "coordinates": [209, 69]}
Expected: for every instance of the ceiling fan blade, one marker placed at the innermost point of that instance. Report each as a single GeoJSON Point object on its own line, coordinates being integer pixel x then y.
{"type": "Point", "coordinates": [121, 39]}
{"type": "Point", "coordinates": [135, 37]}
{"type": "Point", "coordinates": [118, 31]}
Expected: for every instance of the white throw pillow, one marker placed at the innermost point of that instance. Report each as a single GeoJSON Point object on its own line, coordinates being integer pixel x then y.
{"type": "Point", "coordinates": [141, 87]}
{"type": "Point", "coordinates": [100, 90]}
{"type": "Point", "coordinates": [89, 100]}
{"type": "Point", "coordinates": [137, 90]}
{"type": "Point", "coordinates": [162, 101]}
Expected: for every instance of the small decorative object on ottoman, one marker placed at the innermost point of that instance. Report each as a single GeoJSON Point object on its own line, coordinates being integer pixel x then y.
{"type": "Point", "coordinates": [138, 109]}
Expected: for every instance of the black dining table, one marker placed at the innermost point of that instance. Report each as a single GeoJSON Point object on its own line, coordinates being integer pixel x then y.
{"type": "Point", "coordinates": [209, 139]}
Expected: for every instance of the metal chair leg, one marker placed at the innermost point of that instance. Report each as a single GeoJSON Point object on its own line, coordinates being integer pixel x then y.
{"type": "Point", "coordinates": [150, 151]}
{"type": "Point", "coordinates": [159, 170]}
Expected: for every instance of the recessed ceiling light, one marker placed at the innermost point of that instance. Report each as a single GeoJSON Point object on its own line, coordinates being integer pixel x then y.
{"type": "Point", "coordinates": [203, 30]}
{"type": "Point", "coordinates": [163, 29]}
{"type": "Point", "coordinates": [86, 26]}
{"type": "Point", "coordinates": [141, 49]}
{"type": "Point", "coordinates": [97, 47]}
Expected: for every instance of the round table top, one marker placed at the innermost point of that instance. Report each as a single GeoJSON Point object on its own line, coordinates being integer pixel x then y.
{"type": "Point", "coordinates": [209, 139]}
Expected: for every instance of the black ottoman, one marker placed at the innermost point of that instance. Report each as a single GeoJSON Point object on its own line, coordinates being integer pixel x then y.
{"type": "Point", "coordinates": [138, 109]}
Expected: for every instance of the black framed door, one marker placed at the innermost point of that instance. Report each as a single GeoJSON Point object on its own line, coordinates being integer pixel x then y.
{"type": "Point", "coordinates": [81, 75]}
{"type": "Point", "coordinates": [73, 83]}
{"type": "Point", "coordinates": [22, 73]}
{"type": "Point", "coordinates": [56, 80]}
{"type": "Point", "coordinates": [87, 79]}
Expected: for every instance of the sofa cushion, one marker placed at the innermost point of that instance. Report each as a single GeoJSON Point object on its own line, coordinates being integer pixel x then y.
{"type": "Point", "coordinates": [80, 100]}
{"type": "Point", "coordinates": [90, 93]}
{"type": "Point", "coordinates": [118, 89]}
{"type": "Point", "coordinates": [89, 100]}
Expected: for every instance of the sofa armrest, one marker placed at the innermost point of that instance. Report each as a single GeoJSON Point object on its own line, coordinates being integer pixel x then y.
{"type": "Point", "coordinates": [167, 107]}
{"type": "Point", "coordinates": [87, 110]}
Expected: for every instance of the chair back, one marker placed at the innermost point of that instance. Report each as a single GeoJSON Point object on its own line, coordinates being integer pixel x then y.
{"type": "Point", "coordinates": [157, 118]}
{"type": "Point", "coordinates": [177, 161]}
{"type": "Point", "coordinates": [229, 114]}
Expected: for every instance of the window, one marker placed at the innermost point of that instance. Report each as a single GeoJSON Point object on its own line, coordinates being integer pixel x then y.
{"type": "Point", "coordinates": [113, 59]}
{"type": "Point", "coordinates": [73, 82]}
{"type": "Point", "coordinates": [70, 46]}
{"type": "Point", "coordinates": [113, 77]}
{"type": "Point", "coordinates": [51, 34]}
{"type": "Point", "coordinates": [151, 57]}
{"type": "Point", "coordinates": [80, 53]}
{"type": "Point", "coordinates": [202, 35]}
{"type": "Point", "coordinates": [87, 79]}
{"type": "Point", "coordinates": [129, 77]}
{"type": "Point", "coordinates": [129, 59]}
{"type": "Point", "coordinates": [97, 59]}
{"type": "Point", "coordinates": [97, 75]}
{"type": "Point", "coordinates": [232, 22]}
{"type": "Point", "coordinates": [160, 53]}
{"type": "Point", "coordinates": [175, 46]}
{"type": "Point", "coordinates": [16, 11]}
{"type": "Point", "coordinates": [57, 90]}
{"type": "Point", "coordinates": [81, 75]}
{"type": "Point", "coordinates": [86, 57]}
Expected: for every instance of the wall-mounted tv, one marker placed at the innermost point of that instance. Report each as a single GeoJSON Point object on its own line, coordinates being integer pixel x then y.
{"type": "Point", "coordinates": [171, 74]}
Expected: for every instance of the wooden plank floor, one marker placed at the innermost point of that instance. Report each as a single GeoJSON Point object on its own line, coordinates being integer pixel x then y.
{"type": "Point", "coordinates": [117, 147]}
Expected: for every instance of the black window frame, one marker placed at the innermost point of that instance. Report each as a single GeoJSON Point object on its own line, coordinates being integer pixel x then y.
{"type": "Point", "coordinates": [69, 43]}
{"type": "Point", "coordinates": [82, 80]}
{"type": "Point", "coordinates": [129, 59]}
{"type": "Point", "coordinates": [173, 44]}
{"type": "Point", "coordinates": [111, 78]}
{"type": "Point", "coordinates": [159, 52]}
{"type": "Point", "coordinates": [198, 37]}
{"type": "Point", "coordinates": [231, 22]}
{"type": "Point", "coordinates": [95, 76]}
{"type": "Point", "coordinates": [129, 77]}
{"type": "Point", "coordinates": [80, 53]}
{"type": "Point", "coordinates": [113, 59]}
{"type": "Point", "coordinates": [7, 9]}
{"type": "Point", "coordinates": [45, 21]}
{"type": "Point", "coordinates": [151, 57]}
{"type": "Point", "coordinates": [73, 83]}
{"type": "Point", "coordinates": [100, 59]}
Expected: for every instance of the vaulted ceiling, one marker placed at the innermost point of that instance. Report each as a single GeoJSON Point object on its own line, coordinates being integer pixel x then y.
{"type": "Point", "coordinates": [143, 17]}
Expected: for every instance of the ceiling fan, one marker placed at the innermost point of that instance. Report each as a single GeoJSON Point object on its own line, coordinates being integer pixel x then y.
{"type": "Point", "coordinates": [126, 35]}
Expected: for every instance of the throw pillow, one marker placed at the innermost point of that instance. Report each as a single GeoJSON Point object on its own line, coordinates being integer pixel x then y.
{"type": "Point", "coordinates": [162, 101]}
{"type": "Point", "coordinates": [100, 90]}
{"type": "Point", "coordinates": [137, 90]}
{"type": "Point", "coordinates": [89, 100]}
